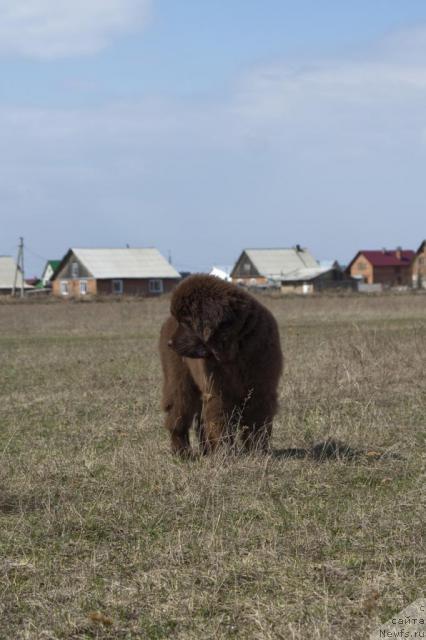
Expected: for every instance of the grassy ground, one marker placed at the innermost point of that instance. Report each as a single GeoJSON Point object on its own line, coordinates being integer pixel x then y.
{"type": "Point", "coordinates": [104, 535]}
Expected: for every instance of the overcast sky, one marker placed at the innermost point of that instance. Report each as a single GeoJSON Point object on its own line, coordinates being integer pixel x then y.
{"type": "Point", "coordinates": [203, 128]}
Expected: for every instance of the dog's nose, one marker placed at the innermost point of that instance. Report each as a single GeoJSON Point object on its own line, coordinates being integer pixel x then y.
{"type": "Point", "coordinates": [170, 343]}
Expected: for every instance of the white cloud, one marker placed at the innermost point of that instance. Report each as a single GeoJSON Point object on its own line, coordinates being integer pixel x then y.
{"type": "Point", "coordinates": [379, 94]}
{"type": "Point", "coordinates": [59, 28]}
{"type": "Point", "coordinates": [304, 150]}
{"type": "Point", "coordinates": [363, 107]}
{"type": "Point", "coordinates": [408, 45]}
{"type": "Point", "coordinates": [350, 107]}
{"type": "Point", "coordinates": [390, 78]}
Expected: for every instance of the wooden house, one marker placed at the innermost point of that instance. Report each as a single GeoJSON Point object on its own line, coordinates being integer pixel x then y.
{"type": "Point", "coordinates": [143, 272]}
{"type": "Point", "coordinates": [316, 279]}
{"type": "Point", "coordinates": [263, 267]}
{"type": "Point", "coordinates": [292, 270]}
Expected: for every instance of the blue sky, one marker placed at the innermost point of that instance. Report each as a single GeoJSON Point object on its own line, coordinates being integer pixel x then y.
{"type": "Point", "coordinates": [206, 127]}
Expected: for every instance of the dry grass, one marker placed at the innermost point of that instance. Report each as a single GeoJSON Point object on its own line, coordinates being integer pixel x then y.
{"type": "Point", "coordinates": [104, 535]}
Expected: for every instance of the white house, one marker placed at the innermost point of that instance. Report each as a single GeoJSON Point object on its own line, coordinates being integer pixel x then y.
{"type": "Point", "coordinates": [8, 274]}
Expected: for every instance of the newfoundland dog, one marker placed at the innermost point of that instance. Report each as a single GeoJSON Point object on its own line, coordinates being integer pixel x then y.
{"type": "Point", "coordinates": [221, 358]}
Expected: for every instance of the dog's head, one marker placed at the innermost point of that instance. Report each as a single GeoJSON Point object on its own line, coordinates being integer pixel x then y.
{"type": "Point", "coordinates": [209, 314]}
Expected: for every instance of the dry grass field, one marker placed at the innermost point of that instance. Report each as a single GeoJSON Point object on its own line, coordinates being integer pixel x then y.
{"type": "Point", "coordinates": [104, 535]}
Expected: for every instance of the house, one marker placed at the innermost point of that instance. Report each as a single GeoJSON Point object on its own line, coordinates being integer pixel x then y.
{"type": "Point", "coordinates": [419, 267]}
{"type": "Point", "coordinates": [267, 267]}
{"type": "Point", "coordinates": [48, 271]}
{"type": "Point", "coordinates": [292, 270]}
{"type": "Point", "coordinates": [312, 279]}
{"type": "Point", "coordinates": [8, 274]}
{"type": "Point", "coordinates": [142, 272]}
{"type": "Point", "coordinates": [389, 268]}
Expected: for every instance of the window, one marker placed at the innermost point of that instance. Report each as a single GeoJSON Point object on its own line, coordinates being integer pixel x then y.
{"type": "Point", "coordinates": [74, 269]}
{"type": "Point", "coordinates": [64, 288]}
{"type": "Point", "coordinates": [117, 287]}
{"type": "Point", "coordinates": [155, 286]}
{"type": "Point", "coordinates": [246, 267]}
{"type": "Point", "coordinates": [83, 287]}
{"type": "Point", "coordinates": [362, 266]}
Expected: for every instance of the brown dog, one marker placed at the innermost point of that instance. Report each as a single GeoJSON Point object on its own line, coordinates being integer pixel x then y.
{"type": "Point", "coordinates": [221, 358]}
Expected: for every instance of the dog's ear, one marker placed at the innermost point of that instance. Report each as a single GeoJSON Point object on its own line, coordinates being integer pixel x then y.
{"type": "Point", "coordinates": [186, 343]}
{"type": "Point", "coordinates": [180, 309]}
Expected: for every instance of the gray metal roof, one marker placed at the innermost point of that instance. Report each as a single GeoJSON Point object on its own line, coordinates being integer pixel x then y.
{"type": "Point", "coordinates": [125, 263]}
{"type": "Point", "coordinates": [7, 274]}
{"type": "Point", "coordinates": [277, 262]}
{"type": "Point", "coordinates": [307, 273]}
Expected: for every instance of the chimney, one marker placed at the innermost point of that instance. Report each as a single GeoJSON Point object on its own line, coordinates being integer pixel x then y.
{"type": "Point", "coordinates": [298, 248]}
{"type": "Point", "coordinates": [398, 253]}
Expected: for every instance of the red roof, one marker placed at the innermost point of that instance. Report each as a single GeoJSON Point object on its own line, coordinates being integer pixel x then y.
{"type": "Point", "coordinates": [389, 258]}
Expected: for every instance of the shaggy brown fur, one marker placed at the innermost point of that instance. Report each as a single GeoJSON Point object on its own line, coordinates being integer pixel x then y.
{"type": "Point", "coordinates": [221, 357]}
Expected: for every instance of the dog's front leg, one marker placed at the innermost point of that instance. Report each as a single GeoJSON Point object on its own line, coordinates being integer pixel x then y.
{"type": "Point", "coordinates": [213, 421]}
{"type": "Point", "coordinates": [219, 423]}
{"type": "Point", "coordinates": [178, 426]}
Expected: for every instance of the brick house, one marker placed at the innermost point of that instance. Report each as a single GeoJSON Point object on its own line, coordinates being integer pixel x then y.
{"type": "Point", "coordinates": [143, 272]}
{"type": "Point", "coordinates": [390, 268]}
{"type": "Point", "coordinates": [419, 267]}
